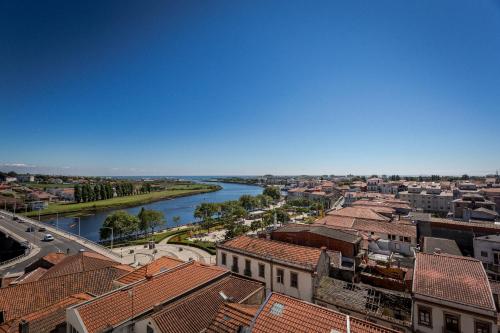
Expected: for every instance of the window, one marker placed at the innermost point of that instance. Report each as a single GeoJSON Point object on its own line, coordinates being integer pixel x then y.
{"type": "Point", "coordinates": [407, 239]}
{"type": "Point", "coordinates": [280, 276]}
{"type": "Point", "coordinates": [400, 238]}
{"type": "Point", "coordinates": [149, 329]}
{"type": "Point", "coordinates": [484, 254]}
{"type": "Point", "coordinates": [451, 323]}
{"type": "Point", "coordinates": [223, 259]}
{"type": "Point", "coordinates": [294, 280]}
{"type": "Point", "coordinates": [248, 271]}
{"type": "Point", "coordinates": [235, 267]}
{"type": "Point", "coordinates": [482, 327]}
{"type": "Point", "coordinates": [262, 270]}
{"type": "Point", "coordinates": [496, 258]}
{"type": "Point", "coordinates": [424, 316]}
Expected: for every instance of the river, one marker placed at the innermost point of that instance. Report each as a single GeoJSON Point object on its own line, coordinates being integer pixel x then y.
{"type": "Point", "coordinates": [183, 207]}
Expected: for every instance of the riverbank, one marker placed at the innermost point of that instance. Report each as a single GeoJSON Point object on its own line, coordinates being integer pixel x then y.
{"type": "Point", "coordinates": [84, 208]}
{"type": "Point", "coordinates": [241, 181]}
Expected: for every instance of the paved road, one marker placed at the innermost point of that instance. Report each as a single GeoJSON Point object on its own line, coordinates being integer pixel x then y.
{"type": "Point", "coordinates": [58, 244]}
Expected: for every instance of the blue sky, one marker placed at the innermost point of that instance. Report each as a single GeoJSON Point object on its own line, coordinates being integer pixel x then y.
{"type": "Point", "coordinates": [250, 87]}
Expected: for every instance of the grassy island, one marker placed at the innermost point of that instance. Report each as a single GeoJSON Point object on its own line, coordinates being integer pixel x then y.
{"type": "Point", "coordinates": [125, 201]}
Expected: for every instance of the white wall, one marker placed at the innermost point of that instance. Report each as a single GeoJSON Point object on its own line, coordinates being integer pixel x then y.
{"type": "Point", "coordinates": [305, 278]}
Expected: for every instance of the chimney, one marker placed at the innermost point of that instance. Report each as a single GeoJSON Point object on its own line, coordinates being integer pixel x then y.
{"type": "Point", "coordinates": [24, 327]}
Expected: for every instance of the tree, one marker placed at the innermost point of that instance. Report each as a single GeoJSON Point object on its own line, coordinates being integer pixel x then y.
{"type": "Point", "coordinates": [150, 219]}
{"type": "Point", "coordinates": [248, 202]}
{"type": "Point", "coordinates": [176, 220]}
{"type": "Point", "coordinates": [273, 192]}
{"type": "Point", "coordinates": [78, 193]}
{"type": "Point", "coordinates": [122, 223]}
{"type": "Point", "coordinates": [465, 177]}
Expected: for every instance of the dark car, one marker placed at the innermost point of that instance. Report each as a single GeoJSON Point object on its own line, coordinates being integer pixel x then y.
{"type": "Point", "coordinates": [30, 229]}
{"type": "Point", "coordinates": [42, 229]}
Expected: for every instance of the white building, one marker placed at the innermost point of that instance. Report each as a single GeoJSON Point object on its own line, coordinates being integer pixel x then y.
{"type": "Point", "coordinates": [452, 294]}
{"type": "Point", "coordinates": [427, 197]}
{"type": "Point", "coordinates": [487, 250]}
{"type": "Point", "coordinates": [285, 268]}
{"type": "Point", "coordinates": [372, 184]}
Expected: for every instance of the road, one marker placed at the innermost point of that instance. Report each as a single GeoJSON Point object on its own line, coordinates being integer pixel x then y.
{"type": "Point", "coordinates": [19, 229]}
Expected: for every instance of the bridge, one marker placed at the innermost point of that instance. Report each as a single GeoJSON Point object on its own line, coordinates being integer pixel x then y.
{"type": "Point", "coordinates": [36, 248]}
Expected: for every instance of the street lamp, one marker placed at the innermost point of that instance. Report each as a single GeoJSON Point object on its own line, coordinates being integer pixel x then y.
{"type": "Point", "coordinates": [111, 235]}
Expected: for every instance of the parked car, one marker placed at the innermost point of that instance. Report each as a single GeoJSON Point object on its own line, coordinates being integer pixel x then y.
{"type": "Point", "coordinates": [30, 229]}
{"type": "Point", "coordinates": [42, 229]}
{"type": "Point", "coordinates": [48, 238]}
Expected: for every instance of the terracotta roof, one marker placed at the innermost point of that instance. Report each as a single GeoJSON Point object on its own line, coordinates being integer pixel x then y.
{"type": "Point", "coordinates": [160, 264]}
{"type": "Point", "coordinates": [432, 244]}
{"type": "Point", "coordinates": [34, 275]}
{"type": "Point", "coordinates": [195, 312]}
{"type": "Point", "coordinates": [26, 298]}
{"type": "Point", "coordinates": [452, 278]}
{"type": "Point", "coordinates": [232, 316]}
{"type": "Point", "coordinates": [80, 262]}
{"type": "Point", "coordinates": [47, 319]}
{"type": "Point", "coordinates": [282, 313]}
{"type": "Point", "coordinates": [343, 235]}
{"type": "Point", "coordinates": [54, 257]}
{"type": "Point", "coordinates": [306, 257]}
{"type": "Point", "coordinates": [127, 302]}
{"type": "Point", "coordinates": [395, 228]}
{"type": "Point", "coordinates": [359, 212]}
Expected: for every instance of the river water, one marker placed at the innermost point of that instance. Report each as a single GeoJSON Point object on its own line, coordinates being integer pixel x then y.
{"type": "Point", "coordinates": [183, 207]}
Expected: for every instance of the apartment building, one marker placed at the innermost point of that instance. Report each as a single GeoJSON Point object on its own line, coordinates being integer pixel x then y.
{"type": "Point", "coordinates": [452, 294]}
{"type": "Point", "coordinates": [487, 250]}
{"type": "Point", "coordinates": [473, 206]}
{"type": "Point", "coordinates": [427, 197]}
{"type": "Point", "coordinates": [285, 268]}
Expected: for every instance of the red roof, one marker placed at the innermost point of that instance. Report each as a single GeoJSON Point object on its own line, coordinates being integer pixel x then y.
{"type": "Point", "coordinates": [360, 212]}
{"type": "Point", "coordinates": [159, 265]}
{"type": "Point", "coordinates": [195, 312]}
{"type": "Point", "coordinates": [127, 302]}
{"type": "Point", "coordinates": [54, 257]}
{"type": "Point", "coordinates": [304, 256]}
{"type": "Point", "coordinates": [232, 316]}
{"type": "Point", "coordinates": [284, 314]}
{"type": "Point", "coordinates": [394, 228]}
{"type": "Point", "coordinates": [452, 278]}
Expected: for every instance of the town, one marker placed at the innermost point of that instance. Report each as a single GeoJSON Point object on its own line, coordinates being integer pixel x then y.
{"type": "Point", "coordinates": [328, 254]}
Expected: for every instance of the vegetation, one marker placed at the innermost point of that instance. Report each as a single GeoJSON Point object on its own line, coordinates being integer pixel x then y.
{"type": "Point", "coordinates": [273, 192]}
{"type": "Point", "coordinates": [150, 219]}
{"type": "Point", "coordinates": [125, 201]}
{"type": "Point", "coordinates": [121, 223]}
{"type": "Point", "coordinates": [182, 239]}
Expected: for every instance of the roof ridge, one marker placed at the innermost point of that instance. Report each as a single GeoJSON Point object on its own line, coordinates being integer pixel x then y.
{"type": "Point", "coordinates": [450, 256]}
{"type": "Point", "coordinates": [275, 241]}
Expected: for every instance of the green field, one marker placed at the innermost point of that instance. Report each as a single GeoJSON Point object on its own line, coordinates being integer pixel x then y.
{"type": "Point", "coordinates": [122, 202]}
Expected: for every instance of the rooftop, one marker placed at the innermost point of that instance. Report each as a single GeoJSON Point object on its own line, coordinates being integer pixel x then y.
{"type": "Point", "coordinates": [282, 313]}
{"type": "Point", "coordinates": [232, 316]}
{"type": "Point", "coordinates": [359, 212]}
{"type": "Point", "coordinates": [395, 228]}
{"type": "Point", "coordinates": [306, 257]}
{"type": "Point", "coordinates": [442, 245]}
{"type": "Point", "coordinates": [195, 312]}
{"type": "Point", "coordinates": [125, 303]}
{"type": "Point", "coordinates": [452, 278]}
{"type": "Point", "coordinates": [159, 265]}
{"type": "Point", "coordinates": [343, 235]}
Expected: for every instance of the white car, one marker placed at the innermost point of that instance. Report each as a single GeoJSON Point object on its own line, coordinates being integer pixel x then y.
{"type": "Point", "coordinates": [48, 238]}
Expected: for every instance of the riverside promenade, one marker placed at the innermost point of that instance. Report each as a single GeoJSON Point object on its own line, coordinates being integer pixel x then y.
{"type": "Point", "coordinates": [36, 248]}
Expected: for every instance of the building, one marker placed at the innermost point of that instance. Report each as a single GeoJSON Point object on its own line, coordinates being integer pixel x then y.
{"type": "Point", "coordinates": [232, 317]}
{"type": "Point", "coordinates": [473, 206]}
{"type": "Point", "coordinates": [427, 197]}
{"type": "Point", "coordinates": [463, 233]}
{"type": "Point", "coordinates": [452, 294]}
{"type": "Point", "coordinates": [487, 250]}
{"type": "Point", "coordinates": [317, 194]}
{"type": "Point", "coordinates": [492, 194]}
{"type": "Point", "coordinates": [343, 241]}
{"type": "Point", "coordinates": [362, 212]}
{"type": "Point", "coordinates": [184, 298]}
{"type": "Point", "coordinates": [400, 237]}
{"type": "Point", "coordinates": [440, 245]}
{"type": "Point", "coordinates": [281, 313]}
{"type": "Point", "coordinates": [286, 268]}
{"type": "Point", "coordinates": [27, 178]}
{"type": "Point", "coordinates": [373, 183]}
{"type": "Point", "coordinates": [384, 307]}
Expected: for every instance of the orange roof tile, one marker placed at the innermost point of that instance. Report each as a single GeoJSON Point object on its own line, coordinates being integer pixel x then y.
{"type": "Point", "coordinates": [232, 316]}
{"type": "Point", "coordinates": [195, 312]}
{"type": "Point", "coordinates": [127, 302]}
{"type": "Point", "coordinates": [54, 257]}
{"type": "Point", "coordinates": [395, 228]}
{"type": "Point", "coordinates": [34, 275]}
{"type": "Point", "coordinates": [359, 212]}
{"type": "Point", "coordinates": [26, 298]}
{"type": "Point", "coordinates": [452, 278]}
{"type": "Point", "coordinates": [80, 262]}
{"type": "Point", "coordinates": [304, 256]}
{"type": "Point", "coordinates": [160, 264]}
{"type": "Point", "coordinates": [282, 313]}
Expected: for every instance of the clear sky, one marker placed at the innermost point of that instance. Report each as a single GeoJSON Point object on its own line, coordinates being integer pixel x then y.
{"type": "Point", "coordinates": [250, 87]}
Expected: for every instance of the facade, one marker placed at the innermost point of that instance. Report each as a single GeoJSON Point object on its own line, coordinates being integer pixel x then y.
{"type": "Point", "coordinates": [473, 206]}
{"type": "Point", "coordinates": [428, 198]}
{"type": "Point", "coordinates": [285, 268]}
{"type": "Point", "coordinates": [452, 294]}
{"type": "Point", "coordinates": [492, 194]}
{"type": "Point", "coordinates": [27, 178]}
{"type": "Point", "coordinates": [372, 184]}
{"type": "Point", "coordinates": [487, 250]}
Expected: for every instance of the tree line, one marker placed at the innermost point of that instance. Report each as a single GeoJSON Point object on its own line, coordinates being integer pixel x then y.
{"type": "Point", "coordinates": [103, 191]}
